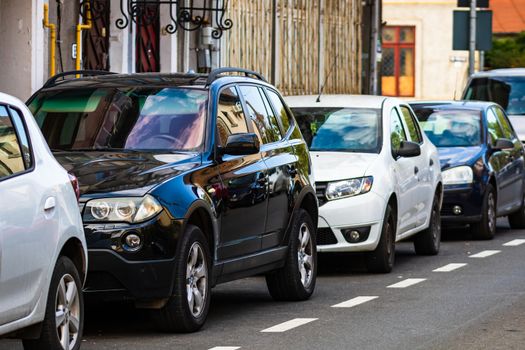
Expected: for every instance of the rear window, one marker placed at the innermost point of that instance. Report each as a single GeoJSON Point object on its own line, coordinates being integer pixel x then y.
{"type": "Point", "coordinates": [508, 92]}
{"type": "Point", "coordinates": [168, 119]}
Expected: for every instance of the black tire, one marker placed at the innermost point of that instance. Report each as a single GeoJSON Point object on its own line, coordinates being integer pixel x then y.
{"type": "Point", "coordinates": [517, 219]}
{"type": "Point", "coordinates": [427, 242]}
{"type": "Point", "coordinates": [486, 228]}
{"type": "Point", "coordinates": [177, 315]}
{"type": "Point", "coordinates": [381, 260]}
{"type": "Point", "coordinates": [288, 283]}
{"type": "Point", "coordinates": [73, 310]}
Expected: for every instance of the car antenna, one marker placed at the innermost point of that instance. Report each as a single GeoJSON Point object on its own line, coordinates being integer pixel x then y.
{"type": "Point", "coordinates": [325, 80]}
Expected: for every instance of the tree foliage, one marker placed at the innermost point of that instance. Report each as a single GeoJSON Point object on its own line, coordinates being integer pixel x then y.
{"type": "Point", "coordinates": [507, 52]}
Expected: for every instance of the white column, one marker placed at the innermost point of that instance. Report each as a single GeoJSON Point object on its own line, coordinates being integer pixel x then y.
{"type": "Point", "coordinates": [168, 42]}
{"type": "Point", "coordinates": [37, 45]}
{"type": "Point", "coordinates": [119, 42]}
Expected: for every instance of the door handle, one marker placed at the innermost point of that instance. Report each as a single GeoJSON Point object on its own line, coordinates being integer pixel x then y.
{"type": "Point", "coordinates": [416, 170]}
{"type": "Point", "coordinates": [431, 162]}
{"type": "Point", "coordinates": [49, 204]}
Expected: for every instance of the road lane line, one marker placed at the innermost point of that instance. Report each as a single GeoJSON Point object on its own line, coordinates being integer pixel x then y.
{"type": "Point", "coordinates": [225, 348]}
{"type": "Point", "coordinates": [286, 326]}
{"type": "Point", "coordinates": [407, 283]}
{"type": "Point", "coordinates": [449, 267]}
{"type": "Point", "coordinates": [514, 243]}
{"type": "Point", "coordinates": [355, 301]}
{"type": "Point", "coordinates": [485, 253]}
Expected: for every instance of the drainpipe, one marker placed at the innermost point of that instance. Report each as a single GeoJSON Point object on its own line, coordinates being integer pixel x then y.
{"type": "Point", "coordinates": [81, 27]}
{"type": "Point", "coordinates": [53, 41]}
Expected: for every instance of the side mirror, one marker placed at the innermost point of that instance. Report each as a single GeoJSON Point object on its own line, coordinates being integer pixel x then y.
{"type": "Point", "coordinates": [503, 145]}
{"type": "Point", "coordinates": [408, 149]}
{"type": "Point", "coordinates": [241, 144]}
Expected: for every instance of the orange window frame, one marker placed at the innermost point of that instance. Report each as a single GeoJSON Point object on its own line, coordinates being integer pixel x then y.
{"type": "Point", "coordinates": [397, 45]}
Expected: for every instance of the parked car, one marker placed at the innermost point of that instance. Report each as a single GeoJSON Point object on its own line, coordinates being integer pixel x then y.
{"type": "Point", "coordinates": [43, 255]}
{"type": "Point", "coordinates": [378, 178]}
{"type": "Point", "coordinates": [505, 87]}
{"type": "Point", "coordinates": [186, 181]}
{"type": "Point", "coordinates": [482, 163]}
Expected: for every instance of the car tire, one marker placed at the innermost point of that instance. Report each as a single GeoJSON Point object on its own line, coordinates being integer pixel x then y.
{"type": "Point", "coordinates": [427, 242]}
{"type": "Point", "coordinates": [486, 228]}
{"type": "Point", "coordinates": [296, 280]}
{"type": "Point", "coordinates": [182, 313]}
{"type": "Point", "coordinates": [65, 305]}
{"type": "Point", "coordinates": [381, 259]}
{"type": "Point", "coordinates": [517, 219]}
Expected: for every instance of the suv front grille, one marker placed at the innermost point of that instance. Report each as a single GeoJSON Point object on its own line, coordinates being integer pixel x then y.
{"type": "Point", "coordinates": [320, 189]}
{"type": "Point", "coordinates": [325, 236]}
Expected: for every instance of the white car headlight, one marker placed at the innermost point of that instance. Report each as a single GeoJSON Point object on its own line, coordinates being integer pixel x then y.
{"type": "Point", "coordinates": [348, 188]}
{"type": "Point", "coordinates": [128, 209]}
{"type": "Point", "coordinates": [458, 176]}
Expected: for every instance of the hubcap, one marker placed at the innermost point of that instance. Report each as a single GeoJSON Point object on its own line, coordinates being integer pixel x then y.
{"type": "Point", "coordinates": [67, 312]}
{"type": "Point", "coordinates": [196, 279]}
{"type": "Point", "coordinates": [491, 212]}
{"type": "Point", "coordinates": [304, 255]}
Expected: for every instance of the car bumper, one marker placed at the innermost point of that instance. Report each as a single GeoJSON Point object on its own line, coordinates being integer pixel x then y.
{"type": "Point", "coordinates": [338, 217]}
{"type": "Point", "coordinates": [468, 198]}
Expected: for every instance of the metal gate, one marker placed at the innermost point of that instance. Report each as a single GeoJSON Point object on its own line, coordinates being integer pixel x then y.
{"type": "Point", "coordinates": [95, 50]}
{"type": "Point", "coordinates": [147, 39]}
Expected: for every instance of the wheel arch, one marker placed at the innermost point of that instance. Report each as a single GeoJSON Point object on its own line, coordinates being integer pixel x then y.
{"type": "Point", "coordinates": [308, 202]}
{"type": "Point", "coordinates": [392, 202]}
{"type": "Point", "coordinates": [74, 250]}
{"type": "Point", "coordinates": [200, 215]}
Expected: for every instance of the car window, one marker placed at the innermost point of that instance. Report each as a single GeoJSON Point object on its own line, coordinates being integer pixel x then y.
{"type": "Point", "coordinates": [413, 129]}
{"type": "Point", "coordinates": [11, 160]}
{"type": "Point", "coordinates": [397, 132]}
{"type": "Point", "coordinates": [230, 116]}
{"type": "Point", "coordinates": [258, 114]}
{"type": "Point", "coordinates": [505, 125]}
{"type": "Point", "coordinates": [508, 92]}
{"type": "Point", "coordinates": [271, 115]}
{"type": "Point", "coordinates": [495, 130]}
{"type": "Point", "coordinates": [279, 109]}
{"type": "Point", "coordinates": [23, 138]}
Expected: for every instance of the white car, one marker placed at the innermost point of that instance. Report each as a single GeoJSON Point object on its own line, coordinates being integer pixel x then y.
{"type": "Point", "coordinates": [378, 178]}
{"type": "Point", "coordinates": [43, 255]}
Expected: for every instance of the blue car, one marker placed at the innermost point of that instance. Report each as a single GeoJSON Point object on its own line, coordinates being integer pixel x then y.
{"type": "Point", "coordinates": [482, 163]}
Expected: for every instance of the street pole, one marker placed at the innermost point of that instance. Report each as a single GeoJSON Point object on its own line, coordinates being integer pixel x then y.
{"type": "Point", "coordinates": [472, 42]}
{"type": "Point", "coordinates": [274, 43]}
{"type": "Point", "coordinates": [374, 74]}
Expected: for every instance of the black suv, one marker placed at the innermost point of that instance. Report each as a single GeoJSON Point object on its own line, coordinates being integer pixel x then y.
{"type": "Point", "coordinates": [186, 181]}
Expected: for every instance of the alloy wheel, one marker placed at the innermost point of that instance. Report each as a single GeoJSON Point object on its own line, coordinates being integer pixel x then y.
{"type": "Point", "coordinates": [67, 312]}
{"type": "Point", "coordinates": [305, 256]}
{"type": "Point", "coordinates": [196, 279]}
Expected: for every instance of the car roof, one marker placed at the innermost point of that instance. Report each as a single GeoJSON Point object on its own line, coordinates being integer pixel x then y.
{"type": "Point", "coordinates": [478, 105]}
{"type": "Point", "coordinates": [501, 72]}
{"type": "Point", "coordinates": [326, 101]}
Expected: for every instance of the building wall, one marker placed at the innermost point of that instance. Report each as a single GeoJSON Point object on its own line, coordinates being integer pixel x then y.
{"type": "Point", "coordinates": [437, 76]}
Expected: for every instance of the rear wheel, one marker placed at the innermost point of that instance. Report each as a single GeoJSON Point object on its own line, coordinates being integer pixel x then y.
{"type": "Point", "coordinates": [296, 280]}
{"type": "Point", "coordinates": [381, 260]}
{"type": "Point", "coordinates": [486, 228]}
{"type": "Point", "coordinates": [517, 219]}
{"type": "Point", "coordinates": [427, 242]}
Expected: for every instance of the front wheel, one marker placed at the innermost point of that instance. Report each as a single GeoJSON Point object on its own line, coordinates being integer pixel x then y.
{"type": "Point", "coordinates": [486, 228]}
{"type": "Point", "coordinates": [381, 260]}
{"type": "Point", "coordinates": [64, 318]}
{"type": "Point", "coordinates": [427, 242]}
{"type": "Point", "coordinates": [517, 219]}
{"type": "Point", "coordinates": [296, 280]}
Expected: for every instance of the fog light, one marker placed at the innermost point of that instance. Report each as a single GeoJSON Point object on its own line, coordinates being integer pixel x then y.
{"type": "Point", "coordinates": [457, 210]}
{"type": "Point", "coordinates": [354, 236]}
{"type": "Point", "coordinates": [132, 242]}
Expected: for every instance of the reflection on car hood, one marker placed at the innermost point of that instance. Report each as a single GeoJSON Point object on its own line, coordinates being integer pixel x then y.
{"type": "Point", "coordinates": [455, 156]}
{"type": "Point", "coordinates": [333, 166]}
{"type": "Point", "coordinates": [129, 173]}
{"type": "Point", "coordinates": [518, 123]}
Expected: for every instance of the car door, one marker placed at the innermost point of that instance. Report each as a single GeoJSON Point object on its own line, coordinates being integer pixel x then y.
{"type": "Point", "coordinates": [244, 179]}
{"type": "Point", "coordinates": [405, 176]}
{"type": "Point", "coordinates": [514, 157]}
{"type": "Point", "coordinates": [423, 163]}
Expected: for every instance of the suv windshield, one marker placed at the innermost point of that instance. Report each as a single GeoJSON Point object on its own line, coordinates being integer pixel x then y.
{"type": "Point", "coordinates": [340, 129]}
{"type": "Point", "coordinates": [451, 128]}
{"type": "Point", "coordinates": [169, 119]}
{"type": "Point", "coordinates": [508, 92]}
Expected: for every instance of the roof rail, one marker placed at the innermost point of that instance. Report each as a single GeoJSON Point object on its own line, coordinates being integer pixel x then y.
{"type": "Point", "coordinates": [215, 74]}
{"type": "Point", "coordinates": [51, 81]}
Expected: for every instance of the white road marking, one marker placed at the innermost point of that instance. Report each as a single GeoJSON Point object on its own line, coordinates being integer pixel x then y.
{"type": "Point", "coordinates": [407, 283]}
{"type": "Point", "coordinates": [355, 301]}
{"type": "Point", "coordinates": [286, 326]}
{"type": "Point", "coordinates": [514, 243]}
{"type": "Point", "coordinates": [449, 267]}
{"type": "Point", "coordinates": [485, 253]}
{"type": "Point", "coordinates": [225, 348]}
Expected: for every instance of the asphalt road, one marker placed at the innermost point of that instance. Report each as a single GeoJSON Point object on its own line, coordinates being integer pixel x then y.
{"type": "Point", "coordinates": [479, 305]}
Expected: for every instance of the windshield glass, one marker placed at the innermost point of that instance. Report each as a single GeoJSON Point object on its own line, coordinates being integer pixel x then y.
{"type": "Point", "coordinates": [168, 119]}
{"type": "Point", "coordinates": [451, 128]}
{"type": "Point", "coordinates": [340, 129]}
{"type": "Point", "coordinates": [508, 92]}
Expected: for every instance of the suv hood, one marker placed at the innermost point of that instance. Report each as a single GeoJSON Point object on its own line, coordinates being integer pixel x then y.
{"type": "Point", "coordinates": [128, 173]}
{"type": "Point", "coordinates": [518, 123]}
{"type": "Point", "coordinates": [455, 156]}
{"type": "Point", "coordinates": [333, 166]}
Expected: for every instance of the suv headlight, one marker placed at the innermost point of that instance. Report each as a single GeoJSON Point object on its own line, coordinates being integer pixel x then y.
{"type": "Point", "coordinates": [460, 175]}
{"type": "Point", "coordinates": [126, 209]}
{"type": "Point", "coordinates": [348, 188]}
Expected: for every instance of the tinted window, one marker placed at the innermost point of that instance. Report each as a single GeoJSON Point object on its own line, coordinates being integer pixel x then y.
{"type": "Point", "coordinates": [170, 119]}
{"type": "Point", "coordinates": [340, 129]}
{"type": "Point", "coordinates": [413, 129]}
{"type": "Point", "coordinates": [279, 108]}
{"type": "Point", "coordinates": [495, 131]}
{"type": "Point", "coordinates": [22, 135]}
{"type": "Point", "coordinates": [271, 115]}
{"type": "Point", "coordinates": [259, 116]}
{"type": "Point", "coordinates": [508, 92]}
{"type": "Point", "coordinates": [451, 127]}
{"type": "Point", "coordinates": [11, 160]}
{"type": "Point", "coordinates": [505, 125]}
{"type": "Point", "coordinates": [397, 132]}
{"type": "Point", "coordinates": [230, 117]}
